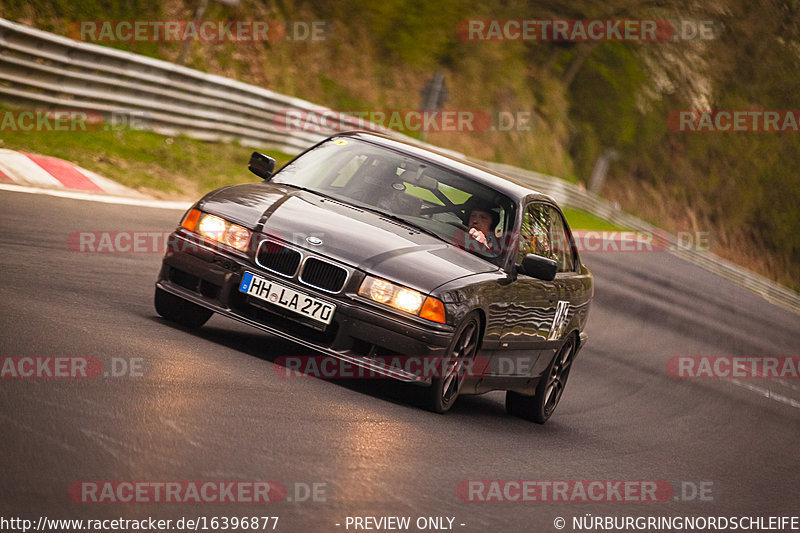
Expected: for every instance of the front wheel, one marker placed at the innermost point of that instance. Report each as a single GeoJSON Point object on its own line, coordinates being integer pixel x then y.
{"type": "Point", "coordinates": [179, 310]}
{"type": "Point", "coordinates": [540, 407]}
{"type": "Point", "coordinates": [442, 393]}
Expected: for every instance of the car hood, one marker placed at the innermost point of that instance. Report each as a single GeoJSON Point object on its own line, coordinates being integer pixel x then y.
{"type": "Point", "coordinates": [363, 239]}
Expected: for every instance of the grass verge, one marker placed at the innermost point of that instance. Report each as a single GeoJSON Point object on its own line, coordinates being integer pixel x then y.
{"type": "Point", "coordinates": [583, 220]}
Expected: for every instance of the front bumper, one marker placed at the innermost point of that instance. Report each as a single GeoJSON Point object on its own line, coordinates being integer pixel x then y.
{"type": "Point", "coordinates": [209, 276]}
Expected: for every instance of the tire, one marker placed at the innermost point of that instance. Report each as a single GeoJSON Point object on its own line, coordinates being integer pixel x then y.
{"type": "Point", "coordinates": [443, 392]}
{"type": "Point", "coordinates": [180, 311]}
{"type": "Point", "coordinates": [540, 407]}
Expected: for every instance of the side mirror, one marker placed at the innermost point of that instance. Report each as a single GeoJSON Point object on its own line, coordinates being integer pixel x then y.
{"type": "Point", "coordinates": [261, 165]}
{"type": "Point", "coordinates": [538, 267]}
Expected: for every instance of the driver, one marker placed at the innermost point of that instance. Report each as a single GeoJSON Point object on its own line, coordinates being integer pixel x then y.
{"type": "Point", "coordinates": [481, 222]}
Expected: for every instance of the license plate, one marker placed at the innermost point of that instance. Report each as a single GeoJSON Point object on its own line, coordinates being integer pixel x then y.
{"type": "Point", "coordinates": [276, 294]}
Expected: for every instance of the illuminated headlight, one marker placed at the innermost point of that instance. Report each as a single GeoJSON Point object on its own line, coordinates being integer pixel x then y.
{"type": "Point", "coordinates": [217, 229]}
{"type": "Point", "coordinates": [212, 226]}
{"type": "Point", "coordinates": [402, 298]}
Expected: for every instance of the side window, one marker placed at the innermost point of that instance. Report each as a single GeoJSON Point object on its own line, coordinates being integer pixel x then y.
{"type": "Point", "coordinates": [534, 236]}
{"type": "Point", "coordinates": [559, 238]}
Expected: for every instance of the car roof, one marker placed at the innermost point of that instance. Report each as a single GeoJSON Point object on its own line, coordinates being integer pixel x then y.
{"type": "Point", "coordinates": [480, 174]}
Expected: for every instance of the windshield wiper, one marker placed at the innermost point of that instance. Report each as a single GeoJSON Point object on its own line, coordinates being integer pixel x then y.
{"type": "Point", "coordinates": [408, 223]}
{"type": "Point", "coordinates": [306, 189]}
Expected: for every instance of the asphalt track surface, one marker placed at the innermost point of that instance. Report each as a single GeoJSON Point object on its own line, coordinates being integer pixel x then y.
{"type": "Point", "coordinates": [209, 405]}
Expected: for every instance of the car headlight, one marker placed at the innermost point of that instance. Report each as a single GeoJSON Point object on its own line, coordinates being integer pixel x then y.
{"type": "Point", "coordinates": [217, 229]}
{"type": "Point", "coordinates": [402, 298]}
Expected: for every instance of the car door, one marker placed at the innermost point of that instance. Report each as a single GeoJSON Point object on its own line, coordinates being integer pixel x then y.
{"type": "Point", "coordinates": [569, 284]}
{"type": "Point", "coordinates": [573, 283]}
{"type": "Point", "coordinates": [532, 309]}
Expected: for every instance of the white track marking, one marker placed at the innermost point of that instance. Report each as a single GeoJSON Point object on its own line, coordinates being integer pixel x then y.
{"type": "Point", "coordinates": [93, 197]}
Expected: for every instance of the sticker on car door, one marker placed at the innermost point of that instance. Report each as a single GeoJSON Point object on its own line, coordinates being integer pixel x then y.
{"type": "Point", "coordinates": [559, 321]}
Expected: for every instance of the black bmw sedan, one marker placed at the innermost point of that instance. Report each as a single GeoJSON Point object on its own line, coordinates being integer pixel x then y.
{"type": "Point", "coordinates": [385, 256]}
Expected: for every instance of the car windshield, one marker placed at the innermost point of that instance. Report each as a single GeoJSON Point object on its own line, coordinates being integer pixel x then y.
{"type": "Point", "coordinates": [434, 199]}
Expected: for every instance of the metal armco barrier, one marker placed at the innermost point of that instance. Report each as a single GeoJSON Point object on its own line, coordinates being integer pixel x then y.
{"type": "Point", "coordinates": [44, 70]}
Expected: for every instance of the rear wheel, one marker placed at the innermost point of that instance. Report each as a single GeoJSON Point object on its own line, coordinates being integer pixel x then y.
{"type": "Point", "coordinates": [442, 393]}
{"type": "Point", "coordinates": [178, 310]}
{"type": "Point", "coordinates": [540, 407]}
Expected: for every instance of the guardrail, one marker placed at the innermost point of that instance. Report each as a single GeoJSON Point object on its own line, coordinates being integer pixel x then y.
{"type": "Point", "coordinates": [46, 70]}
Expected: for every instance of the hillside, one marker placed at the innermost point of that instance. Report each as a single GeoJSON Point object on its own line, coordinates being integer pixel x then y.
{"type": "Point", "coordinates": [584, 98]}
